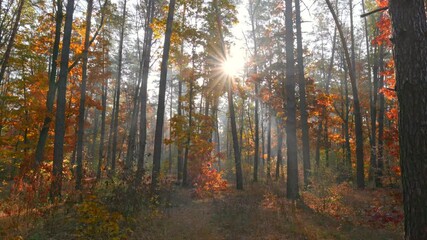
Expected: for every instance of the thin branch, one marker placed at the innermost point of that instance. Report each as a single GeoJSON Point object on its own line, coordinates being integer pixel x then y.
{"type": "Point", "coordinates": [80, 56]}
{"type": "Point", "coordinates": [373, 11]}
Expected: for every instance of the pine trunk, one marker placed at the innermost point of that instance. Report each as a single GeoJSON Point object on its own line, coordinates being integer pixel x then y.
{"type": "Point", "coordinates": [410, 57]}
{"type": "Point", "coordinates": [162, 96]}
{"type": "Point", "coordinates": [291, 132]}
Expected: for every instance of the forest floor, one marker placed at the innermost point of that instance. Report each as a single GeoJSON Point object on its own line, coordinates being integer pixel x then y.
{"type": "Point", "coordinates": [261, 211]}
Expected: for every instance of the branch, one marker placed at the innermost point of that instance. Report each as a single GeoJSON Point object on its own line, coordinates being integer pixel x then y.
{"type": "Point", "coordinates": [374, 11]}
{"type": "Point", "coordinates": [80, 56]}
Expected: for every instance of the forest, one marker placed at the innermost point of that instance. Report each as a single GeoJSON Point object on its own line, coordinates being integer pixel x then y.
{"type": "Point", "coordinates": [215, 119]}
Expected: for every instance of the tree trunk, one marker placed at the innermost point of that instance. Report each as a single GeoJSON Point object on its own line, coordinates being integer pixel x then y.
{"type": "Point", "coordinates": [6, 56]}
{"type": "Point", "coordinates": [381, 102]}
{"type": "Point", "coordinates": [291, 132]}
{"type": "Point", "coordinates": [103, 116]}
{"type": "Point", "coordinates": [44, 133]}
{"type": "Point", "coordinates": [146, 55]}
{"type": "Point", "coordinates": [118, 89]}
{"type": "Point", "coordinates": [360, 173]}
{"type": "Point", "coordinates": [82, 108]}
{"type": "Point", "coordinates": [410, 57]}
{"type": "Point", "coordinates": [237, 159]}
{"type": "Point", "coordinates": [58, 147]}
{"type": "Point", "coordinates": [161, 103]}
{"type": "Point", "coordinates": [189, 130]}
{"type": "Point", "coordinates": [269, 143]}
{"type": "Point", "coordinates": [256, 154]}
{"type": "Point", "coordinates": [303, 101]}
{"type": "Point", "coordinates": [373, 103]}
{"type": "Point", "coordinates": [279, 147]}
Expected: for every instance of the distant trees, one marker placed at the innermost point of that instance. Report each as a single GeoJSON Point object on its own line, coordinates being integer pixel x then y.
{"type": "Point", "coordinates": [218, 126]}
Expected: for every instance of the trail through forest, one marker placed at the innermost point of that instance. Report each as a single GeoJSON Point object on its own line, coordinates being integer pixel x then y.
{"type": "Point", "coordinates": [260, 213]}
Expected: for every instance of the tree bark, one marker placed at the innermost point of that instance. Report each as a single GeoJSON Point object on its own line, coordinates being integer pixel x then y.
{"type": "Point", "coordinates": [381, 104]}
{"type": "Point", "coordinates": [253, 24]}
{"type": "Point", "coordinates": [6, 56]}
{"type": "Point", "coordinates": [279, 147]}
{"type": "Point", "coordinates": [291, 132]}
{"type": "Point", "coordinates": [237, 157]}
{"type": "Point", "coordinates": [118, 89]}
{"type": "Point", "coordinates": [410, 51]}
{"type": "Point", "coordinates": [146, 55]}
{"type": "Point", "coordinates": [44, 133]}
{"type": "Point", "coordinates": [58, 148]}
{"type": "Point", "coordinates": [303, 100]}
{"type": "Point", "coordinates": [161, 103]}
{"type": "Point", "coordinates": [82, 108]}
{"type": "Point", "coordinates": [103, 116]}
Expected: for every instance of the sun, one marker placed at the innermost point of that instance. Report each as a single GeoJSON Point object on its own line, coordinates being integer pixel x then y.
{"type": "Point", "coordinates": [232, 66]}
{"type": "Point", "coordinates": [229, 67]}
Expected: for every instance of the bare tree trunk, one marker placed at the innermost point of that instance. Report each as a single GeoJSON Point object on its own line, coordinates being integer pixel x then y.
{"type": "Point", "coordinates": [279, 147]}
{"type": "Point", "coordinates": [118, 88]}
{"type": "Point", "coordinates": [237, 157]}
{"type": "Point", "coordinates": [269, 143]}
{"type": "Point", "coordinates": [103, 116]}
{"type": "Point", "coordinates": [373, 103]}
{"type": "Point", "coordinates": [44, 133]}
{"type": "Point", "coordinates": [161, 102]}
{"type": "Point", "coordinates": [253, 25]}
{"type": "Point", "coordinates": [381, 101]}
{"type": "Point", "coordinates": [303, 101]}
{"type": "Point", "coordinates": [82, 108]}
{"type": "Point", "coordinates": [189, 130]}
{"type": "Point", "coordinates": [6, 56]}
{"type": "Point", "coordinates": [291, 132]}
{"type": "Point", "coordinates": [146, 55]}
{"type": "Point", "coordinates": [58, 148]}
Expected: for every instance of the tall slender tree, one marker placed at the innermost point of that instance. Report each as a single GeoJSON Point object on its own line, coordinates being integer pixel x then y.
{"type": "Point", "coordinates": [11, 42]}
{"type": "Point", "coordinates": [44, 132]}
{"type": "Point", "coordinates": [302, 94]}
{"type": "Point", "coordinates": [145, 63]}
{"type": "Point", "coordinates": [82, 108]}
{"type": "Point", "coordinates": [118, 89]}
{"type": "Point", "coordinates": [162, 96]}
{"type": "Point", "coordinates": [291, 132]}
{"type": "Point", "coordinates": [58, 148]}
{"type": "Point", "coordinates": [360, 172]}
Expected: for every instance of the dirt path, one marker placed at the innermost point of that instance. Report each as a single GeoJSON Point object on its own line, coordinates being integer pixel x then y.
{"type": "Point", "coordinates": [256, 213]}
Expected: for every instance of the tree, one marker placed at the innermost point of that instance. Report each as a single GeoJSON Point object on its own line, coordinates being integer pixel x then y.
{"type": "Point", "coordinates": [291, 133]}
{"type": "Point", "coordinates": [410, 55]}
{"type": "Point", "coordinates": [44, 132]}
{"type": "Point", "coordinates": [158, 138]}
{"type": "Point", "coordinates": [82, 108]}
{"type": "Point", "coordinates": [145, 62]}
{"type": "Point", "coordinates": [360, 172]}
{"type": "Point", "coordinates": [118, 89]}
{"type": "Point", "coordinates": [6, 56]}
{"type": "Point", "coordinates": [302, 94]}
{"type": "Point", "coordinates": [58, 148]}
{"type": "Point", "coordinates": [253, 12]}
